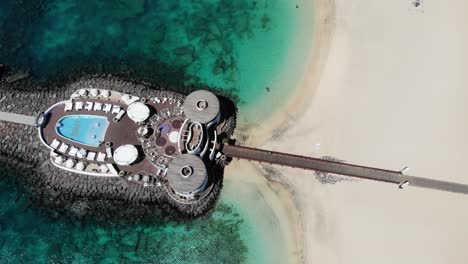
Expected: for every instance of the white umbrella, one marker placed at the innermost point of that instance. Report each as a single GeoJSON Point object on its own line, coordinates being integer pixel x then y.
{"type": "Point", "coordinates": [126, 97]}
{"type": "Point", "coordinates": [105, 93]}
{"type": "Point", "coordinates": [80, 166]}
{"type": "Point", "coordinates": [69, 163]}
{"type": "Point", "coordinates": [59, 160]}
{"type": "Point", "coordinates": [83, 92]}
{"type": "Point", "coordinates": [94, 92]}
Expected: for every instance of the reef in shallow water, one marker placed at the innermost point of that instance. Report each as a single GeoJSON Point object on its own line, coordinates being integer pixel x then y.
{"type": "Point", "coordinates": [28, 235]}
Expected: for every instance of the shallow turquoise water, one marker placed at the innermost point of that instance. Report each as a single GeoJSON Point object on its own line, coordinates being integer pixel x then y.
{"type": "Point", "coordinates": [236, 45]}
{"type": "Point", "coordinates": [239, 46]}
{"type": "Point", "coordinates": [28, 235]}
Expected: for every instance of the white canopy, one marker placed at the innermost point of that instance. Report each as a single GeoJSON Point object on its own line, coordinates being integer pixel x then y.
{"type": "Point", "coordinates": [94, 92]}
{"type": "Point", "coordinates": [80, 166]}
{"type": "Point", "coordinates": [138, 112]}
{"type": "Point", "coordinates": [125, 155]}
{"type": "Point", "coordinates": [69, 163]}
{"type": "Point", "coordinates": [83, 92]}
{"type": "Point", "coordinates": [59, 160]}
{"type": "Point", "coordinates": [105, 93]}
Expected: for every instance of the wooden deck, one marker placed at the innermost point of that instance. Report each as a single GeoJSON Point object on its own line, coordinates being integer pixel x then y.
{"type": "Point", "coordinates": [119, 133]}
{"type": "Point", "coordinates": [309, 163]}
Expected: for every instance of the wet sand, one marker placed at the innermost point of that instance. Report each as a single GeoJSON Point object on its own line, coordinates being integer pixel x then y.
{"type": "Point", "coordinates": [387, 90]}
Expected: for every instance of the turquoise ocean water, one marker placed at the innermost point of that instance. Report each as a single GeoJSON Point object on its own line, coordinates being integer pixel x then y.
{"type": "Point", "coordinates": [237, 45]}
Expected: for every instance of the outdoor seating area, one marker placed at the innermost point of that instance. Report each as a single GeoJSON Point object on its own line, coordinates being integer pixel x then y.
{"type": "Point", "coordinates": [81, 166]}
{"type": "Point", "coordinates": [117, 110]}
{"type": "Point", "coordinates": [145, 180]}
{"type": "Point", "coordinates": [81, 153]}
{"type": "Point", "coordinates": [163, 97]}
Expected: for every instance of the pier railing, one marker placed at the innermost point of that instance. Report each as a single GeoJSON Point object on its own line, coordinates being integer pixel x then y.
{"type": "Point", "coordinates": [308, 163]}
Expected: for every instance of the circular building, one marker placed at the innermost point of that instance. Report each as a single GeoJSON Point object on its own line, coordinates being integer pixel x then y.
{"type": "Point", "coordinates": [201, 106]}
{"type": "Point", "coordinates": [187, 174]}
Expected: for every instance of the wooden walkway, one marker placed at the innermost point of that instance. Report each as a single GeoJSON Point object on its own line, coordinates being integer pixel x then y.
{"type": "Point", "coordinates": [308, 163]}
{"type": "Point", "coordinates": [16, 118]}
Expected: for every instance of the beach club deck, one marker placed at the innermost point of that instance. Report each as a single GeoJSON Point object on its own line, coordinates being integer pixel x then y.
{"type": "Point", "coordinates": [146, 140]}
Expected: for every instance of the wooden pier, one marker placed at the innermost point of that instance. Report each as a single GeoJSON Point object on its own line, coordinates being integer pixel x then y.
{"type": "Point", "coordinates": [308, 163]}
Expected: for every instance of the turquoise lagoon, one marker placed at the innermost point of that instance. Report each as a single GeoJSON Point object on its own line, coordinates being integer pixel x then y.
{"type": "Point", "coordinates": [241, 46]}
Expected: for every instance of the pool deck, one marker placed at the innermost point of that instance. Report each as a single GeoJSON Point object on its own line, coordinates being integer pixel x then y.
{"type": "Point", "coordinates": [118, 133]}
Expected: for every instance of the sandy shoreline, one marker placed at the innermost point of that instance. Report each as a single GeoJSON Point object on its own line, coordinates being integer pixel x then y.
{"type": "Point", "coordinates": [387, 89]}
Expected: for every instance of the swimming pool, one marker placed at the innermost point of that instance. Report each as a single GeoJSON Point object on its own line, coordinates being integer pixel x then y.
{"type": "Point", "coordinates": [84, 129]}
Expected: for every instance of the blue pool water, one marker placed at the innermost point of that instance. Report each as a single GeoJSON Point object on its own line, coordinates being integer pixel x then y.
{"type": "Point", "coordinates": [85, 129]}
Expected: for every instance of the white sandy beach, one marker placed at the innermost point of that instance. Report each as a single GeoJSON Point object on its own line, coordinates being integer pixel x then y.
{"type": "Point", "coordinates": [385, 87]}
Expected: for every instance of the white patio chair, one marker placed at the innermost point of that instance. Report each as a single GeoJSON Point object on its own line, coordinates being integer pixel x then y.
{"type": "Point", "coordinates": [78, 106]}
{"type": "Point", "coordinates": [101, 157]}
{"type": "Point", "coordinates": [107, 108]}
{"type": "Point", "coordinates": [115, 109]}
{"type": "Point", "coordinates": [89, 106]}
{"type": "Point", "coordinates": [68, 106]}
{"type": "Point", "coordinates": [97, 106]}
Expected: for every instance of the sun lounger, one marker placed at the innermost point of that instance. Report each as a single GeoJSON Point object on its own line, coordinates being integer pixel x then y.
{"type": "Point", "coordinates": [115, 109]}
{"type": "Point", "coordinates": [91, 156]}
{"type": "Point", "coordinates": [73, 151]}
{"type": "Point", "coordinates": [107, 108]}
{"type": "Point", "coordinates": [97, 106]}
{"type": "Point", "coordinates": [68, 106]}
{"type": "Point", "coordinates": [119, 116]}
{"type": "Point", "coordinates": [101, 157]}
{"type": "Point", "coordinates": [78, 106]}
{"type": "Point", "coordinates": [112, 169]}
{"type": "Point", "coordinates": [82, 153]}
{"type": "Point", "coordinates": [63, 148]}
{"type": "Point", "coordinates": [109, 152]}
{"type": "Point", "coordinates": [89, 106]}
{"type": "Point", "coordinates": [55, 143]}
